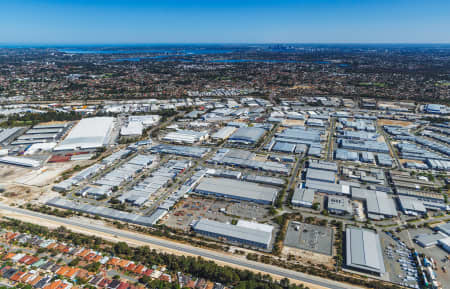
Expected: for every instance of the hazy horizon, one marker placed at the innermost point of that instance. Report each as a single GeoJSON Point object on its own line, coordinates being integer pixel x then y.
{"type": "Point", "coordinates": [137, 22]}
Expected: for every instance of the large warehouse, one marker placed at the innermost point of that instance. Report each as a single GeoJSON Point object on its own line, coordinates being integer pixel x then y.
{"type": "Point", "coordinates": [242, 233]}
{"type": "Point", "coordinates": [363, 251]}
{"type": "Point", "coordinates": [247, 135]}
{"type": "Point", "coordinates": [89, 133]}
{"type": "Point", "coordinates": [303, 197]}
{"type": "Point", "coordinates": [239, 190]}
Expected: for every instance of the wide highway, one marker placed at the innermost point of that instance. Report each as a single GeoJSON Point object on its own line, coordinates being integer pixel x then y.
{"type": "Point", "coordinates": [213, 255]}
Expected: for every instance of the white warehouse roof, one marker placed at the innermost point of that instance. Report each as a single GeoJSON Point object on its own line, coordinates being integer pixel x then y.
{"type": "Point", "coordinates": [89, 133]}
{"type": "Point", "coordinates": [20, 161]}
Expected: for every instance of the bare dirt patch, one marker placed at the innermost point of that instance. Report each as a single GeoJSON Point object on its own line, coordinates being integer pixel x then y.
{"type": "Point", "coordinates": [382, 122]}
{"type": "Point", "coordinates": [304, 256]}
{"type": "Point", "coordinates": [293, 122]}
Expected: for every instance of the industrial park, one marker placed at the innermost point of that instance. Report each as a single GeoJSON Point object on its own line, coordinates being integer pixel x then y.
{"type": "Point", "coordinates": [225, 167]}
{"type": "Point", "coordinates": [339, 188]}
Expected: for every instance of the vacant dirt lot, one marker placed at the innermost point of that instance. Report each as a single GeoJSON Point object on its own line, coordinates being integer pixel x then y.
{"type": "Point", "coordinates": [304, 256]}
{"type": "Point", "coordinates": [293, 122]}
{"type": "Point", "coordinates": [393, 122]}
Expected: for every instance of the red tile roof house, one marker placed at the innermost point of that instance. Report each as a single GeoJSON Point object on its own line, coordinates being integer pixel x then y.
{"type": "Point", "coordinates": [165, 277]}
{"type": "Point", "coordinates": [148, 272]}
{"type": "Point", "coordinates": [24, 259]}
{"type": "Point", "coordinates": [123, 285]}
{"type": "Point", "coordinates": [32, 260]}
{"type": "Point", "coordinates": [140, 269]}
{"type": "Point", "coordinates": [17, 276]}
{"type": "Point", "coordinates": [131, 267]}
{"type": "Point", "coordinates": [104, 282]}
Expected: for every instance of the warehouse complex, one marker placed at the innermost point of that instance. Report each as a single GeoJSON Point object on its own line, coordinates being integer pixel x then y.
{"type": "Point", "coordinates": [245, 175]}
{"type": "Point", "coordinates": [247, 135]}
{"type": "Point", "coordinates": [246, 233]}
{"type": "Point", "coordinates": [239, 190]}
{"type": "Point", "coordinates": [363, 251]}
{"type": "Point", "coordinates": [89, 133]}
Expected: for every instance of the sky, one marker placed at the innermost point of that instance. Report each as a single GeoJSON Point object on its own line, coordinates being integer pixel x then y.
{"type": "Point", "coordinates": [223, 21]}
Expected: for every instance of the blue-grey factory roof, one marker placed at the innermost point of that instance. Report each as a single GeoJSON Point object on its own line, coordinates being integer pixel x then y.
{"type": "Point", "coordinates": [247, 134]}
{"type": "Point", "coordinates": [238, 189]}
{"type": "Point", "coordinates": [327, 176]}
{"type": "Point", "coordinates": [322, 165]}
{"type": "Point", "coordinates": [377, 202]}
{"type": "Point", "coordinates": [224, 229]}
{"type": "Point", "coordinates": [444, 228]}
{"type": "Point", "coordinates": [364, 250]}
{"type": "Point", "coordinates": [303, 196]}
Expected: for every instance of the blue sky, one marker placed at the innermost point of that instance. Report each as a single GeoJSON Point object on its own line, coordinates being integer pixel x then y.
{"type": "Point", "coordinates": [218, 21]}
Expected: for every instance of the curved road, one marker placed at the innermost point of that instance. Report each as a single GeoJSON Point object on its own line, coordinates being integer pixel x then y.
{"type": "Point", "coordinates": [189, 249]}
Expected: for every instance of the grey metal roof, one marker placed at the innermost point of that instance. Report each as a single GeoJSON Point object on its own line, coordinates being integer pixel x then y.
{"type": "Point", "coordinates": [224, 132]}
{"type": "Point", "coordinates": [101, 211]}
{"type": "Point", "coordinates": [339, 203]}
{"type": "Point", "coordinates": [377, 202]}
{"type": "Point", "coordinates": [362, 145]}
{"type": "Point", "coordinates": [248, 134]}
{"type": "Point", "coordinates": [51, 126]}
{"type": "Point", "coordinates": [265, 180]}
{"type": "Point", "coordinates": [8, 132]}
{"type": "Point", "coordinates": [322, 165]}
{"type": "Point", "coordinates": [328, 187]}
{"type": "Point", "coordinates": [343, 154]}
{"type": "Point", "coordinates": [283, 147]}
{"type": "Point", "coordinates": [237, 189]}
{"type": "Point", "coordinates": [364, 250]}
{"type": "Point", "coordinates": [38, 136]}
{"type": "Point", "coordinates": [234, 231]}
{"type": "Point", "coordinates": [411, 204]}
{"type": "Point", "coordinates": [327, 176]}
{"type": "Point", "coordinates": [445, 228]}
{"type": "Point", "coordinates": [44, 131]}
{"type": "Point", "coordinates": [427, 240]}
{"type": "Point", "coordinates": [303, 196]}
{"type": "Point", "coordinates": [300, 133]}
{"type": "Point", "coordinates": [189, 151]}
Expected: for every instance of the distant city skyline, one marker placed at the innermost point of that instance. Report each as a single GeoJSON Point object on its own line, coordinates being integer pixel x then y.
{"type": "Point", "coordinates": [52, 22]}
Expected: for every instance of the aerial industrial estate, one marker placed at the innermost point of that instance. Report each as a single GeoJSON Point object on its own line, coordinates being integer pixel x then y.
{"type": "Point", "coordinates": [351, 187]}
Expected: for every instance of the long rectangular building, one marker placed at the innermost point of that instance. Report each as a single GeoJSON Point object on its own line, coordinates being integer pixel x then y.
{"type": "Point", "coordinates": [20, 161]}
{"type": "Point", "coordinates": [363, 251]}
{"type": "Point", "coordinates": [320, 175]}
{"type": "Point", "coordinates": [89, 133]}
{"type": "Point", "coordinates": [239, 190]}
{"type": "Point", "coordinates": [241, 234]}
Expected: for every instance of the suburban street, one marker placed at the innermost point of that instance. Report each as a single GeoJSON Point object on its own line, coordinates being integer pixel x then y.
{"type": "Point", "coordinates": [212, 255]}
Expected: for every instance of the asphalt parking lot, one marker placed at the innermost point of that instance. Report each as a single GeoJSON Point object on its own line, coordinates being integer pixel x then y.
{"type": "Point", "coordinates": [435, 252]}
{"type": "Point", "coordinates": [399, 262]}
{"type": "Point", "coordinates": [196, 207]}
